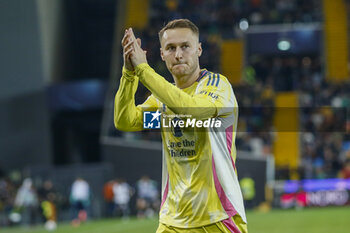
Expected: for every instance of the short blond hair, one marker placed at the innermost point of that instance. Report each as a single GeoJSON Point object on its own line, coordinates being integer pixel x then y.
{"type": "Point", "coordinates": [179, 23]}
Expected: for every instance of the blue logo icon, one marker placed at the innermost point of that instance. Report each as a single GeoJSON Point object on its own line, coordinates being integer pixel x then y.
{"type": "Point", "coordinates": [151, 120]}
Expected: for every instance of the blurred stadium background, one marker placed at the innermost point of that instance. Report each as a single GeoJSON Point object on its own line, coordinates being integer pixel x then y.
{"type": "Point", "coordinates": [288, 63]}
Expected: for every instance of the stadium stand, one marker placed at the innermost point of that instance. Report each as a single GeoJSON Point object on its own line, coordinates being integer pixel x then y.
{"type": "Point", "coordinates": [264, 77]}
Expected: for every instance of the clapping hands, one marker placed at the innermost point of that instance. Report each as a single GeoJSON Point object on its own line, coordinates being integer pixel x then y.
{"type": "Point", "coordinates": [133, 54]}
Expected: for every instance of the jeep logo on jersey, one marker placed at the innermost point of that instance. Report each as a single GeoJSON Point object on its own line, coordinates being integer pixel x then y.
{"type": "Point", "coordinates": [151, 120]}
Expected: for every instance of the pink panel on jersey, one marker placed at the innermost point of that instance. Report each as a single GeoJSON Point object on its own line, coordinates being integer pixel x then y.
{"type": "Point", "coordinates": [231, 225]}
{"type": "Point", "coordinates": [225, 202]}
{"type": "Point", "coordinates": [165, 194]}
{"type": "Point", "coordinates": [229, 137]}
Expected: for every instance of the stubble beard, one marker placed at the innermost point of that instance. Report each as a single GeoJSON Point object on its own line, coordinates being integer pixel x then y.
{"type": "Point", "coordinates": [179, 71]}
{"type": "Point", "coordinates": [183, 71]}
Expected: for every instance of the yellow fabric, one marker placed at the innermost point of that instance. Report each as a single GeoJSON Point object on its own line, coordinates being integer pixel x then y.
{"type": "Point", "coordinates": [192, 198]}
{"type": "Point", "coordinates": [128, 117]}
{"type": "Point", "coordinates": [49, 210]}
{"type": "Point", "coordinates": [217, 227]}
{"type": "Point", "coordinates": [174, 97]}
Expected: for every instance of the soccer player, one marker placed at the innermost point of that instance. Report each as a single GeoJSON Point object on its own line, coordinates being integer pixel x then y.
{"type": "Point", "coordinates": [200, 188]}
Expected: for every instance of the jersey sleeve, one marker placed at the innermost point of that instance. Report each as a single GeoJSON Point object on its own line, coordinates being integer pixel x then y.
{"type": "Point", "coordinates": [127, 116]}
{"type": "Point", "coordinates": [215, 88]}
{"type": "Point", "coordinates": [208, 101]}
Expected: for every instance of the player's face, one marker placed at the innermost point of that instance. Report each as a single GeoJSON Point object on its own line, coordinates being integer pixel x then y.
{"type": "Point", "coordinates": [180, 50]}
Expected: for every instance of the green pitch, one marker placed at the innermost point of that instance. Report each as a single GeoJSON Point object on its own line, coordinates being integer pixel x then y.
{"type": "Point", "coordinates": [315, 220]}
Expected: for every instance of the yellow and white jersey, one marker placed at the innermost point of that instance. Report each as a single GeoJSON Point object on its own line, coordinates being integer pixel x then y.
{"type": "Point", "coordinates": [199, 182]}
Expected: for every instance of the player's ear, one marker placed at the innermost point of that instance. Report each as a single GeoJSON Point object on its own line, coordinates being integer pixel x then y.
{"type": "Point", "coordinates": [199, 49]}
{"type": "Point", "coordinates": [161, 54]}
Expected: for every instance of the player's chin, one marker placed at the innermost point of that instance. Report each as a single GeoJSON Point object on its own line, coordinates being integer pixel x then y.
{"type": "Point", "coordinates": [178, 70]}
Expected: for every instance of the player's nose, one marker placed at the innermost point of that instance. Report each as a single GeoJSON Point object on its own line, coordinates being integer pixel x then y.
{"type": "Point", "coordinates": [178, 53]}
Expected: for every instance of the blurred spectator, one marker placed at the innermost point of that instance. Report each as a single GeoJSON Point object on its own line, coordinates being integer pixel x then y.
{"type": "Point", "coordinates": [108, 196]}
{"type": "Point", "coordinates": [345, 171]}
{"type": "Point", "coordinates": [48, 198]}
{"type": "Point", "coordinates": [7, 196]}
{"type": "Point", "coordinates": [248, 191]}
{"type": "Point", "coordinates": [122, 193]}
{"type": "Point", "coordinates": [80, 201]}
{"type": "Point", "coordinates": [27, 202]}
{"type": "Point", "coordinates": [147, 202]}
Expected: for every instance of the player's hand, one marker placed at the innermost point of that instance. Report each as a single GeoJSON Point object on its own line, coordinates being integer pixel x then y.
{"type": "Point", "coordinates": [125, 42]}
{"type": "Point", "coordinates": [133, 49]}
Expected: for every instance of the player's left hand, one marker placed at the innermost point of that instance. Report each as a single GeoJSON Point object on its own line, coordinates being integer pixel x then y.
{"type": "Point", "coordinates": [133, 49]}
{"type": "Point", "coordinates": [127, 62]}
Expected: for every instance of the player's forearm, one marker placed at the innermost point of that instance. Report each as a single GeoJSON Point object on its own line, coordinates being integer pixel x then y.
{"type": "Point", "coordinates": [176, 99]}
{"type": "Point", "coordinates": [125, 112]}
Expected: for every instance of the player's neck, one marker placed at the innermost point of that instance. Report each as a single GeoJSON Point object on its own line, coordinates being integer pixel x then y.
{"type": "Point", "coordinates": [187, 80]}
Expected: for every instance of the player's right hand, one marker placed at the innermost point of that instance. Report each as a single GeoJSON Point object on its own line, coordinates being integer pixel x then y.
{"type": "Point", "coordinates": [125, 43]}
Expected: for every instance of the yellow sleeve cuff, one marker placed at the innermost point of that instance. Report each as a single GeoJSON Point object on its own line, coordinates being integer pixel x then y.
{"type": "Point", "coordinates": [141, 67]}
{"type": "Point", "coordinates": [128, 74]}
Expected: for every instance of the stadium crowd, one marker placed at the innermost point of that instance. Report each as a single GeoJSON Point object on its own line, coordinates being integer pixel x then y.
{"type": "Point", "coordinates": [325, 149]}
{"type": "Point", "coordinates": [34, 201]}
{"type": "Point", "coordinates": [323, 107]}
{"type": "Point", "coordinates": [28, 203]}
{"type": "Point", "coordinates": [218, 20]}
